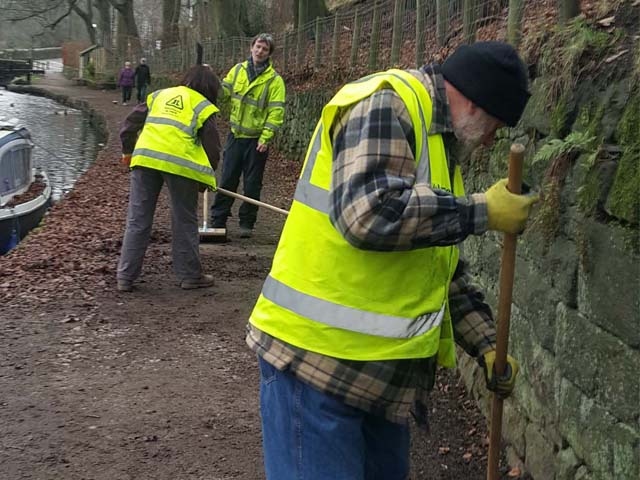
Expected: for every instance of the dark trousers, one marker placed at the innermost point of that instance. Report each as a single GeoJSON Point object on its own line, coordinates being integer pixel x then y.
{"type": "Point", "coordinates": [141, 93]}
{"type": "Point", "coordinates": [240, 159]}
{"type": "Point", "coordinates": [126, 94]}
{"type": "Point", "coordinates": [146, 184]}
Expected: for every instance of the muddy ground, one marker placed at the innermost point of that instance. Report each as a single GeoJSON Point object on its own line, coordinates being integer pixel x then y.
{"type": "Point", "coordinates": [158, 383]}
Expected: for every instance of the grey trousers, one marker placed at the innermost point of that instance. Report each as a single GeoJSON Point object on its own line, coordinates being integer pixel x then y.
{"type": "Point", "coordinates": [143, 196]}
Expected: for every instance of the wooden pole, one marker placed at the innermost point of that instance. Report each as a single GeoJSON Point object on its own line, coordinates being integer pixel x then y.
{"type": "Point", "coordinates": [507, 269]}
{"type": "Point", "coordinates": [251, 200]}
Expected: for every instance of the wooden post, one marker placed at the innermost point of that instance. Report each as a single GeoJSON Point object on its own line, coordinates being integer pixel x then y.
{"type": "Point", "coordinates": [396, 35]}
{"type": "Point", "coordinates": [420, 36]}
{"type": "Point", "coordinates": [441, 21]}
{"type": "Point", "coordinates": [469, 21]}
{"type": "Point", "coordinates": [356, 38]}
{"type": "Point", "coordinates": [334, 43]}
{"type": "Point", "coordinates": [285, 52]}
{"type": "Point", "coordinates": [317, 56]}
{"type": "Point", "coordinates": [375, 38]}
{"type": "Point", "coordinates": [507, 270]}
{"type": "Point", "coordinates": [300, 50]}
{"type": "Point", "coordinates": [514, 22]}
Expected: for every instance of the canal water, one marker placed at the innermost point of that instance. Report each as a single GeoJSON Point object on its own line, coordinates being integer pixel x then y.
{"type": "Point", "coordinates": [65, 142]}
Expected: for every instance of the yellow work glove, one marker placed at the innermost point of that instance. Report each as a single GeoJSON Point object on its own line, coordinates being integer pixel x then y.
{"type": "Point", "coordinates": [507, 211]}
{"type": "Point", "coordinates": [502, 385]}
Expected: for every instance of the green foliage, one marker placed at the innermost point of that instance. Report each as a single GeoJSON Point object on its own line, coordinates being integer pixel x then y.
{"type": "Point", "coordinates": [589, 119]}
{"type": "Point", "coordinates": [566, 54]}
{"type": "Point", "coordinates": [559, 116]}
{"type": "Point", "coordinates": [90, 71]}
{"type": "Point", "coordinates": [559, 155]}
{"type": "Point", "coordinates": [555, 148]}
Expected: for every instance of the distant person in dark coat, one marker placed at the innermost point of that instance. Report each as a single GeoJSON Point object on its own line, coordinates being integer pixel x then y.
{"type": "Point", "coordinates": [143, 80]}
{"type": "Point", "coordinates": [125, 82]}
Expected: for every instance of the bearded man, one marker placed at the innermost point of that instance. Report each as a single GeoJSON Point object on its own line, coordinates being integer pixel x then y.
{"type": "Point", "coordinates": [367, 294]}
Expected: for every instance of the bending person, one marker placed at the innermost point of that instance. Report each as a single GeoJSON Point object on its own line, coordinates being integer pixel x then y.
{"type": "Point", "coordinates": [178, 145]}
{"type": "Point", "coordinates": [366, 294]}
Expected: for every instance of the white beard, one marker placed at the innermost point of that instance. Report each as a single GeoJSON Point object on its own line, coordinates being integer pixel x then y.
{"type": "Point", "coordinates": [470, 131]}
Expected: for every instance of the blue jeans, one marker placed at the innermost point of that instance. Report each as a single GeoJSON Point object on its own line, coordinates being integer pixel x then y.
{"type": "Point", "coordinates": [310, 435]}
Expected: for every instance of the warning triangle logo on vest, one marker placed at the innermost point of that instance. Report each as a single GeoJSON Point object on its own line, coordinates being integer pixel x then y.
{"type": "Point", "coordinates": [175, 102]}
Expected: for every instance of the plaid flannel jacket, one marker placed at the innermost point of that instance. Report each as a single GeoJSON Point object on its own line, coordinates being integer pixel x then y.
{"type": "Point", "coordinates": [374, 162]}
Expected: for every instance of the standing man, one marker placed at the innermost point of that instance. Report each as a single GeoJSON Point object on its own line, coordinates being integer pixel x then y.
{"type": "Point", "coordinates": [143, 80]}
{"type": "Point", "coordinates": [257, 96]}
{"type": "Point", "coordinates": [366, 294]}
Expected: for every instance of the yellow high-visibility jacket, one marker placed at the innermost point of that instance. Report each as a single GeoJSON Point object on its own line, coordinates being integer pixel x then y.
{"type": "Point", "coordinates": [257, 108]}
{"type": "Point", "coordinates": [326, 296]}
{"type": "Point", "coordinates": [169, 141]}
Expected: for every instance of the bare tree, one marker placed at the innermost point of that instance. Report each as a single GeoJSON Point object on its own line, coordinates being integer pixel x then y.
{"type": "Point", "coordinates": [170, 21]}
{"type": "Point", "coordinates": [50, 14]}
{"type": "Point", "coordinates": [128, 38]}
{"type": "Point", "coordinates": [223, 18]}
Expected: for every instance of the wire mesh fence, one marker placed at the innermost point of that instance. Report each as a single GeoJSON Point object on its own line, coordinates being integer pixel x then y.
{"type": "Point", "coordinates": [373, 35]}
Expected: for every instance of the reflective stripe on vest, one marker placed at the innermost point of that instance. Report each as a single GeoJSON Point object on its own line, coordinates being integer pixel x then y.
{"type": "Point", "coordinates": [358, 320]}
{"type": "Point", "coordinates": [178, 161]}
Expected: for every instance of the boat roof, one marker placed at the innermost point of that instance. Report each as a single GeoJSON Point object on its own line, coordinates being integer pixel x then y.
{"type": "Point", "coordinates": [9, 123]}
{"type": "Point", "coordinates": [11, 129]}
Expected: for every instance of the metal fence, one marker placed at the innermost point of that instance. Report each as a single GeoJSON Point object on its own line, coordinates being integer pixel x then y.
{"type": "Point", "coordinates": [371, 36]}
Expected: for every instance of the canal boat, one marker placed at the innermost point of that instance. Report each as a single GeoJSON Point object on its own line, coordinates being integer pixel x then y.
{"type": "Point", "coordinates": [25, 191]}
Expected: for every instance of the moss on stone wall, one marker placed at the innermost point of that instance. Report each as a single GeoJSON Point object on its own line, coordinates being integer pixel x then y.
{"type": "Point", "coordinates": [302, 114]}
{"type": "Point", "coordinates": [624, 200]}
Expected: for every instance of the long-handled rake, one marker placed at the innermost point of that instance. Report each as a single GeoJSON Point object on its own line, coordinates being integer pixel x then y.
{"type": "Point", "coordinates": [220, 234]}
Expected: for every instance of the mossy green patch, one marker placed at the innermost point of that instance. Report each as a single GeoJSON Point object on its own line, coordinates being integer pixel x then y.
{"type": "Point", "coordinates": [559, 117]}
{"type": "Point", "coordinates": [623, 201]}
{"type": "Point", "coordinates": [629, 126]}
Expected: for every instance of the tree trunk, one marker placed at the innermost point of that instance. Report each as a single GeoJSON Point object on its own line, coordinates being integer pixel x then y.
{"type": "Point", "coordinates": [104, 23]}
{"type": "Point", "coordinates": [128, 39]}
{"type": "Point", "coordinates": [223, 18]}
{"type": "Point", "coordinates": [170, 21]}
{"type": "Point", "coordinates": [307, 10]}
{"type": "Point", "coordinates": [514, 22]}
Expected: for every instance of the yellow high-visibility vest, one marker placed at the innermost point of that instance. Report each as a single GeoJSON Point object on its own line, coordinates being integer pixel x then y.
{"type": "Point", "coordinates": [257, 108]}
{"type": "Point", "coordinates": [326, 296]}
{"type": "Point", "coordinates": [169, 141]}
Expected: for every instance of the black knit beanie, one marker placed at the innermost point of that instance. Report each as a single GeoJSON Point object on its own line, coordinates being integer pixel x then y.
{"type": "Point", "coordinates": [491, 75]}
